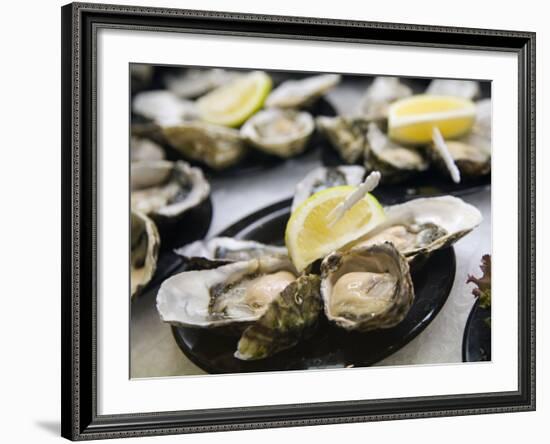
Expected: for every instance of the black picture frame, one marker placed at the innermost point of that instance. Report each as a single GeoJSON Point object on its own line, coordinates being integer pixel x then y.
{"type": "Point", "coordinates": [80, 22]}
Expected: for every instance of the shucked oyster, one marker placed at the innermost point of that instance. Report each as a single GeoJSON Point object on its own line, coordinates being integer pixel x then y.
{"type": "Point", "coordinates": [392, 160]}
{"type": "Point", "coordinates": [227, 248]}
{"type": "Point", "coordinates": [196, 82]}
{"type": "Point", "coordinates": [346, 134]}
{"type": "Point", "coordinates": [301, 93]}
{"type": "Point", "coordinates": [145, 149]}
{"type": "Point", "coordinates": [467, 89]}
{"type": "Point", "coordinates": [423, 225]}
{"type": "Point", "coordinates": [471, 153]}
{"type": "Point", "coordinates": [366, 288]}
{"type": "Point", "coordinates": [166, 189]}
{"type": "Point", "coordinates": [284, 133]}
{"type": "Point", "coordinates": [325, 177]}
{"type": "Point", "coordinates": [380, 94]}
{"type": "Point", "coordinates": [216, 146]}
{"type": "Point", "coordinates": [144, 249]}
{"type": "Point", "coordinates": [233, 294]}
{"type": "Point", "coordinates": [163, 107]}
{"type": "Point", "coordinates": [289, 318]}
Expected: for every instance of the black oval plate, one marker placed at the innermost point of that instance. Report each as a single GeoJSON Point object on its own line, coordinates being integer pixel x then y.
{"type": "Point", "coordinates": [476, 344]}
{"type": "Point", "coordinates": [329, 347]}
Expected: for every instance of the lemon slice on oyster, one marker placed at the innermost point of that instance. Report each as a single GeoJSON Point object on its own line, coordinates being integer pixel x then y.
{"type": "Point", "coordinates": [233, 103]}
{"type": "Point", "coordinates": [311, 233]}
{"type": "Point", "coordinates": [411, 120]}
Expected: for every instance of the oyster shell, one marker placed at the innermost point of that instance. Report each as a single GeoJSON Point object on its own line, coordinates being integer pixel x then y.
{"type": "Point", "coordinates": [284, 133]}
{"type": "Point", "coordinates": [380, 94]}
{"type": "Point", "coordinates": [144, 249]}
{"type": "Point", "coordinates": [467, 89]}
{"type": "Point", "coordinates": [234, 294]}
{"type": "Point", "coordinates": [227, 248]}
{"type": "Point", "coordinates": [216, 146]}
{"type": "Point", "coordinates": [325, 177]}
{"type": "Point", "coordinates": [346, 134]}
{"type": "Point", "coordinates": [423, 225]}
{"type": "Point", "coordinates": [366, 288]}
{"type": "Point", "coordinates": [289, 318]}
{"type": "Point", "coordinates": [301, 93]}
{"type": "Point", "coordinates": [471, 153]}
{"type": "Point", "coordinates": [145, 149]}
{"type": "Point", "coordinates": [166, 189]}
{"type": "Point", "coordinates": [392, 160]}
{"type": "Point", "coordinates": [163, 107]}
{"type": "Point", "coordinates": [196, 82]}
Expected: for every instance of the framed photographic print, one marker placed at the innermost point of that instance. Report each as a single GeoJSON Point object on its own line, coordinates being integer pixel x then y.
{"type": "Point", "coordinates": [278, 221]}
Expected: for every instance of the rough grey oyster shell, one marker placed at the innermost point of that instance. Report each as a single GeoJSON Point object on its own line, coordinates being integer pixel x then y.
{"type": "Point", "coordinates": [166, 189]}
{"type": "Point", "coordinates": [367, 288]}
{"type": "Point", "coordinates": [144, 250]}
{"type": "Point", "coordinates": [379, 95]}
{"type": "Point", "coordinates": [145, 149]}
{"type": "Point", "coordinates": [301, 93]}
{"type": "Point", "coordinates": [348, 135]}
{"type": "Point", "coordinates": [217, 146]}
{"type": "Point", "coordinates": [289, 318]}
{"type": "Point", "coordinates": [229, 249]}
{"type": "Point", "coordinates": [325, 177]}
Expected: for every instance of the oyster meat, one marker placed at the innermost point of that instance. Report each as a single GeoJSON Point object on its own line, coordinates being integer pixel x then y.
{"type": "Point", "coordinates": [325, 177]}
{"type": "Point", "coordinates": [144, 249]}
{"type": "Point", "coordinates": [367, 288]}
{"type": "Point", "coordinates": [216, 146]}
{"type": "Point", "coordinates": [467, 89]}
{"type": "Point", "coordinates": [301, 93]}
{"type": "Point", "coordinates": [196, 82]}
{"type": "Point", "coordinates": [145, 149]}
{"type": "Point", "coordinates": [235, 294]}
{"type": "Point", "coordinates": [166, 189]}
{"type": "Point", "coordinates": [380, 94]}
{"type": "Point", "coordinates": [284, 133]}
{"type": "Point", "coordinates": [423, 225]}
{"type": "Point", "coordinates": [163, 107]}
{"type": "Point", "coordinates": [227, 248]}
{"type": "Point", "coordinates": [346, 134]}
{"type": "Point", "coordinates": [289, 318]}
{"type": "Point", "coordinates": [392, 160]}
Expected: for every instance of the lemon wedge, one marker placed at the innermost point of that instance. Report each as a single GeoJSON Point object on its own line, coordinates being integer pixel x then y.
{"type": "Point", "coordinates": [232, 104]}
{"type": "Point", "coordinates": [309, 233]}
{"type": "Point", "coordinates": [411, 120]}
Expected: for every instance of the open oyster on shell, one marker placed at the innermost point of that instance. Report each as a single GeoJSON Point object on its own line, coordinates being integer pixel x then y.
{"type": "Point", "coordinates": [467, 89]}
{"type": "Point", "coordinates": [145, 149]}
{"type": "Point", "coordinates": [366, 288]}
{"type": "Point", "coordinates": [234, 295]}
{"type": "Point", "coordinates": [301, 93]}
{"type": "Point", "coordinates": [216, 146]}
{"type": "Point", "coordinates": [144, 250]}
{"type": "Point", "coordinates": [391, 159]}
{"type": "Point", "coordinates": [379, 95]}
{"type": "Point", "coordinates": [284, 133]}
{"type": "Point", "coordinates": [165, 189]}
{"type": "Point", "coordinates": [325, 177]}
{"type": "Point", "coordinates": [162, 106]}
{"type": "Point", "coordinates": [290, 318]}
{"type": "Point", "coordinates": [229, 249]}
{"type": "Point", "coordinates": [472, 152]}
{"type": "Point", "coordinates": [347, 135]}
{"type": "Point", "coordinates": [195, 82]}
{"type": "Point", "coordinates": [423, 225]}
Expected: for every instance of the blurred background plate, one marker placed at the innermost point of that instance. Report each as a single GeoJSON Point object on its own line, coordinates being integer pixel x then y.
{"type": "Point", "coordinates": [476, 345]}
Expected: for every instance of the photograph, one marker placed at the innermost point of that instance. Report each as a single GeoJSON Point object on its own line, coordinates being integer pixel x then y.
{"type": "Point", "coordinates": [297, 221]}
